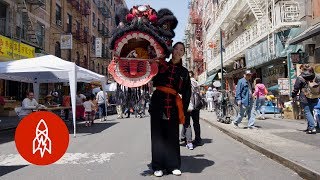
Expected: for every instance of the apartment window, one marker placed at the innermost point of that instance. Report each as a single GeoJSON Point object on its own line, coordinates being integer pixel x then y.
{"type": "Point", "coordinates": [93, 19]}
{"type": "Point", "coordinates": [98, 68]}
{"type": "Point", "coordinates": [3, 15]}
{"type": "Point", "coordinates": [40, 34]}
{"type": "Point", "coordinates": [102, 70]}
{"type": "Point", "coordinates": [78, 58]}
{"type": "Point", "coordinates": [93, 40]}
{"type": "Point", "coordinates": [69, 23]}
{"type": "Point", "coordinates": [58, 15]}
{"type": "Point", "coordinates": [57, 51]}
{"type": "Point", "coordinates": [85, 63]}
{"type": "Point", "coordinates": [92, 66]}
{"type": "Point", "coordinates": [99, 24]}
{"type": "Point", "coordinates": [69, 55]}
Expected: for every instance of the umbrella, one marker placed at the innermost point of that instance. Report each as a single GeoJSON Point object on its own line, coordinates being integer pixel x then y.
{"type": "Point", "coordinates": [274, 88]}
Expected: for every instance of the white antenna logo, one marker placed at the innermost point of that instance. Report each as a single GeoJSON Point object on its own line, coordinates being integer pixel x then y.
{"type": "Point", "coordinates": [42, 141]}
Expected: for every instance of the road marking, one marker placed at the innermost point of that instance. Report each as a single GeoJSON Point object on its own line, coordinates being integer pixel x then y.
{"type": "Point", "coordinates": [68, 158]}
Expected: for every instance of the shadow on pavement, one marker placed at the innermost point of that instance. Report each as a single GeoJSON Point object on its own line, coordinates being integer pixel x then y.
{"type": "Point", "coordinates": [8, 169]}
{"type": "Point", "coordinates": [93, 129]}
{"type": "Point", "coordinates": [7, 136]}
{"type": "Point", "coordinates": [195, 163]}
{"type": "Point", "coordinates": [190, 164]}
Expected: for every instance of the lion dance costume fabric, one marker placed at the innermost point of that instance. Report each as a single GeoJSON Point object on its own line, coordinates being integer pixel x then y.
{"type": "Point", "coordinates": [142, 35]}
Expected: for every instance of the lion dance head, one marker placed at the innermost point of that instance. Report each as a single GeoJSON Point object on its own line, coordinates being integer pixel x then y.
{"type": "Point", "coordinates": [142, 35]}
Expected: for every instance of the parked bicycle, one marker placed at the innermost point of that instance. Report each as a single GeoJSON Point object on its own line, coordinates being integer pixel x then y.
{"type": "Point", "coordinates": [225, 109]}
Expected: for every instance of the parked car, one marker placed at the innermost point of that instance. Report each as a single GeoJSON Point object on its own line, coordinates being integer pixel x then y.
{"type": "Point", "coordinates": [271, 108]}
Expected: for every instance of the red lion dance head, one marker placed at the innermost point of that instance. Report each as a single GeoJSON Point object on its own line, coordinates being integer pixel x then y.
{"type": "Point", "coordinates": [142, 35]}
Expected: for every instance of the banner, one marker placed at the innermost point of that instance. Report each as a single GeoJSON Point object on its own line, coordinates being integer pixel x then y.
{"type": "Point", "coordinates": [284, 86]}
{"type": "Point", "coordinates": [66, 41]}
{"type": "Point", "coordinates": [12, 50]}
{"type": "Point", "coordinates": [257, 55]}
{"type": "Point", "coordinates": [98, 47]}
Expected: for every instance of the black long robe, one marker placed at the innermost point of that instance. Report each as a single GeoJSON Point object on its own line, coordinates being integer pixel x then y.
{"type": "Point", "coordinates": [164, 116]}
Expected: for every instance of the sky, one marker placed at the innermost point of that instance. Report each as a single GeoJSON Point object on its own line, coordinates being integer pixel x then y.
{"type": "Point", "coordinates": [178, 7]}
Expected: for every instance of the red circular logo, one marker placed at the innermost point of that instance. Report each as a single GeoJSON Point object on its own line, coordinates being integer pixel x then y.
{"type": "Point", "coordinates": [42, 138]}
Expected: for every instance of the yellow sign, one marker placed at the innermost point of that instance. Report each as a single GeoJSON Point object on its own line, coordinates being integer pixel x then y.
{"type": "Point", "coordinates": [10, 49]}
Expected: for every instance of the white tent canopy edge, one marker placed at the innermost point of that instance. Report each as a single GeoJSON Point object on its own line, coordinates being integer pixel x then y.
{"type": "Point", "coordinates": [49, 69]}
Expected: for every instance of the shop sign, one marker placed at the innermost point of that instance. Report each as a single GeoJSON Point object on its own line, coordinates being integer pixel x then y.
{"type": "Point", "coordinates": [66, 41]}
{"type": "Point", "coordinates": [98, 47]}
{"type": "Point", "coordinates": [238, 64]}
{"type": "Point", "coordinates": [284, 86]}
{"type": "Point", "coordinates": [11, 50]}
{"type": "Point", "coordinates": [257, 55]}
{"type": "Point", "coordinates": [271, 74]}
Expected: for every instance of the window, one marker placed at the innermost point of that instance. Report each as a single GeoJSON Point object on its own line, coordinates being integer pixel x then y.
{"type": "Point", "coordinates": [93, 40]}
{"type": "Point", "coordinates": [69, 55]}
{"type": "Point", "coordinates": [99, 24]}
{"type": "Point", "coordinates": [40, 34]}
{"type": "Point", "coordinates": [3, 21]}
{"type": "Point", "coordinates": [102, 70]}
{"type": "Point", "coordinates": [93, 19]}
{"type": "Point", "coordinates": [58, 15]}
{"type": "Point", "coordinates": [69, 23]}
{"type": "Point", "coordinates": [78, 58]}
{"type": "Point", "coordinates": [57, 51]}
{"type": "Point", "coordinates": [98, 68]}
{"type": "Point", "coordinates": [92, 66]}
{"type": "Point", "coordinates": [85, 63]}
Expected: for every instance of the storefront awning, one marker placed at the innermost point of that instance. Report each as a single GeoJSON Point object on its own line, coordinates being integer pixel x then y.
{"type": "Point", "coordinates": [307, 34]}
{"type": "Point", "coordinates": [209, 80]}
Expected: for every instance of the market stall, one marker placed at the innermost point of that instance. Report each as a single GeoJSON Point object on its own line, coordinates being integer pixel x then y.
{"type": "Point", "coordinates": [49, 69]}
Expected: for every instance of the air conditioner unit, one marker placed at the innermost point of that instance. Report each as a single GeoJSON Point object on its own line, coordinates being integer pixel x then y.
{"type": "Point", "coordinates": [59, 23]}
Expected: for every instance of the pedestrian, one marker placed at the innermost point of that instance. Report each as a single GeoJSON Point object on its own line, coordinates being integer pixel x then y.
{"type": "Point", "coordinates": [80, 98]}
{"type": "Point", "coordinates": [307, 100]}
{"type": "Point", "coordinates": [260, 93]}
{"type": "Point", "coordinates": [29, 104]}
{"type": "Point", "coordinates": [169, 103]}
{"type": "Point", "coordinates": [119, 101]}
{"type": "Point", "coordinates": [244, 100]}
{"type": "Point", "coordinates": [88, 108]}
{"type": "Point", "coordinates": [209, 98]}
{"type": "Point", "coordinates": [317, 114]}
{"type": "Point", "coordinates": [194, 112]}
{"type": "Point", "coordinates": [102, 99]}
{"type": "Point", "coordinates": [216, 97]}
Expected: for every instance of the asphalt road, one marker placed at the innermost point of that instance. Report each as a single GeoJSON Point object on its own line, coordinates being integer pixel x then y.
{"type": "Point", "coordinates": [120, 149]}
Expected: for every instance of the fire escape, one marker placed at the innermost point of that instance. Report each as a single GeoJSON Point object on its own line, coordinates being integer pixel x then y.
{"type": "Point", "coordinates": [103, 28]}
{"type": "Point", "coordinates": [27, 31]}
{"type": "Point", "coordinates": [81, 32]}
{"type": "Point", "coordinates": [197, 42]}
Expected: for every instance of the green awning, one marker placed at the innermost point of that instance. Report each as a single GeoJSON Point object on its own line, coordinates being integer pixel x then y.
{"type": "Point", "coordinates": [210, 79]}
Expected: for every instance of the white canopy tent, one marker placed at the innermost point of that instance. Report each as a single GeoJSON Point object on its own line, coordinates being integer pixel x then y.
{"type": "Point", "coordinates": [49, 69]}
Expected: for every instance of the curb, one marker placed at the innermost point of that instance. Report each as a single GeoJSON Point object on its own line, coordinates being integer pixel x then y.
{"type": "Point", "coordinates": [302, 171]}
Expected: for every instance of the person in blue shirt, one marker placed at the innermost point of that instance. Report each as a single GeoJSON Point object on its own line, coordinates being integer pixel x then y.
{"type": "Point", "coordinates": [245, 100]}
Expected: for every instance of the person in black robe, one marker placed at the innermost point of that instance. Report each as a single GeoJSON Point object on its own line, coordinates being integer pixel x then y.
{"type": "Point", "coordinates": [172, 83]}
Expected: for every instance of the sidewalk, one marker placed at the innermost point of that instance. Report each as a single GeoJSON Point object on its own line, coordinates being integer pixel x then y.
{"type": "Point", "coordinates": [280, 139]}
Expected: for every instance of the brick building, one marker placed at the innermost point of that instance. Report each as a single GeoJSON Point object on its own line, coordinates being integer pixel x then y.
{"type": "Point", "coordinates": [74, 30]}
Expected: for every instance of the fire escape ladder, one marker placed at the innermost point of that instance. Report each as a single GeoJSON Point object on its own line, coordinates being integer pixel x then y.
{"type": "Point", "coordinates": [27, 23]}
{"type": "Point", "coordinates": [256, 8]}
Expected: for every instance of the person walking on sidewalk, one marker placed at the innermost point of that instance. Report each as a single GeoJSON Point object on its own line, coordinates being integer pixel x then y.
{"type": "Point", "coordinates": [169, 104]}
{"type": "Point", "coordinates": [260, 93]}
{"type": "Point", "coordinates": [102, 103]}
{"type": "Point", "coordinates": [209, 97]}
{"type": "Point", "coordinates": [306, 98]}
{"type": "Point", "coordinates": [194, 112]}
{"type": "Point", "coordinates": [245, 101]}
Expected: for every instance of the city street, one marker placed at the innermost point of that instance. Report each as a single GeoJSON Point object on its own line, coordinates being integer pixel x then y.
{"type": "Point", "coordinates": [120, 149]}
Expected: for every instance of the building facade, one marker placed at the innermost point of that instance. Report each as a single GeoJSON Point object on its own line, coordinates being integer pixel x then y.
{"type": "Point", "coordinates": [74, 30]}
{"type": "Point", "coordinates": [250, 34]}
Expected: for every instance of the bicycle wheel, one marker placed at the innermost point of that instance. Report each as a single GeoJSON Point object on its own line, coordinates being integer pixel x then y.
{"type": "Point", "coordinates": [232, 113]}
